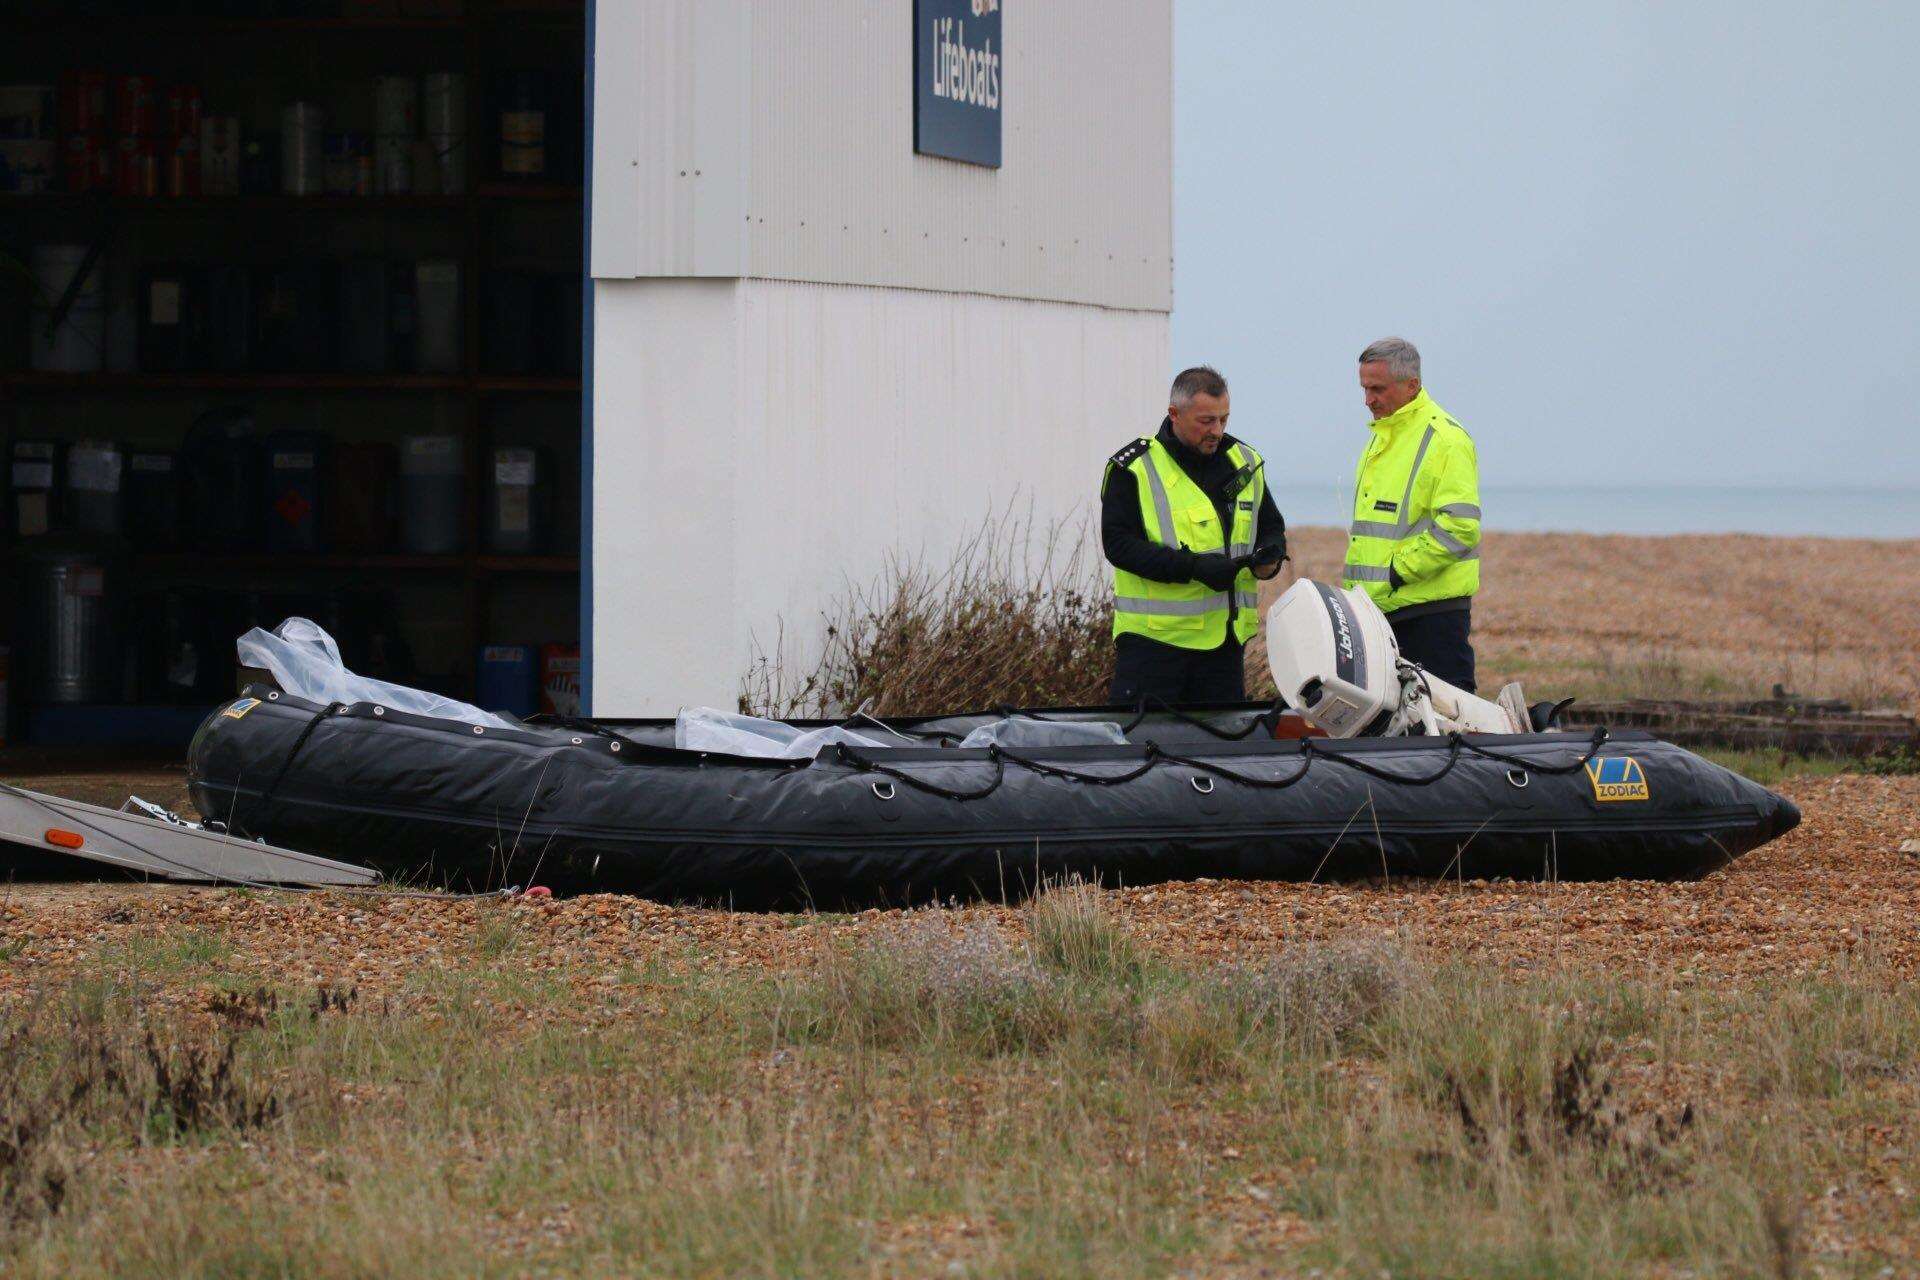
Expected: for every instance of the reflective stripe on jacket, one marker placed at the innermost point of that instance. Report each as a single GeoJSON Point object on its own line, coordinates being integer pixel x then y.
{"type": "Point", "coordinates": [1177, 512]}
{"type": "Point", "coordinates": [1416, 510]}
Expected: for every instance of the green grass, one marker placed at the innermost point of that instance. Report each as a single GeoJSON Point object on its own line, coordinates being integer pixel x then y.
{"type": "Point", "coordinates": [189, 953]}
{"type": "Point", "coordinates": [1056, 1100]}
{"type": "Point", "coordinates": [1769, 767]}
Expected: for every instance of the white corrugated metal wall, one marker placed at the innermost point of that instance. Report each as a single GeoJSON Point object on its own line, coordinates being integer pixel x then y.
{"type": "Point", "coordinates": [1079, 211]}
{"type": "Point", "coordinates": [898, 347]}
{"type": "Point", "coordinates": [772, 139]}
{"type": "Point", "coordinates": [669, 143]}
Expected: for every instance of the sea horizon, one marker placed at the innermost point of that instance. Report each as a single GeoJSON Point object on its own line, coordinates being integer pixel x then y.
{"type": "Point", "coordinates": [1828, 511]}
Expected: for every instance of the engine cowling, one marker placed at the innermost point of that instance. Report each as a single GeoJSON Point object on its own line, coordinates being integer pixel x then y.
{"type": "Point", "coordinates": [1334, 658]}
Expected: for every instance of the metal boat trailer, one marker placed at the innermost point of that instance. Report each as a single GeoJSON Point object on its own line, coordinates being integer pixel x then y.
{"type": "Point", "coordinates": [148, 840]}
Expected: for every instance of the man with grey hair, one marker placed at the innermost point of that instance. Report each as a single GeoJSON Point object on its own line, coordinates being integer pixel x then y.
{"type": "Point", "coordinates": [1189, 525]}
{"type": "Point", "coordinates": [1414, 544]}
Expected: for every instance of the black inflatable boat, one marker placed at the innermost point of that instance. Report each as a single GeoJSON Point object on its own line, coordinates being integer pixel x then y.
{"type": "Point", "coordinates": [1221, 792]}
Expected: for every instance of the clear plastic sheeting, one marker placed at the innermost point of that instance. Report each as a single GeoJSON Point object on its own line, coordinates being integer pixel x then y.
{"type": "Point", "coordinates": [305, 662]}
{"type": "Point", "coordinates": [725, 733]}
{"type": "Point", "coordinates": [1017, 731]}
{"type": "Point", "coordinates": [707, 729]}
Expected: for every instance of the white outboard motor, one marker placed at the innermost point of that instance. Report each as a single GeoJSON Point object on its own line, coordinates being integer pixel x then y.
{"type": "Point", "coordinates": [1334, 658]}
{"type": "Point", "coordinates": [1335, 661]}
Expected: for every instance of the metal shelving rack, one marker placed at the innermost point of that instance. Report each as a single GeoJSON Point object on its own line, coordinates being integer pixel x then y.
{"type": "Point", "coordinates": [476, 569]}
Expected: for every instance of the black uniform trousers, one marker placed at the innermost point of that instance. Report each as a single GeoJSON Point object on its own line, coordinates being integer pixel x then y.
{"type": "Point", "coordinates": [1438, 642]}
{"type": "Point", "coordinates": [1144, 668]}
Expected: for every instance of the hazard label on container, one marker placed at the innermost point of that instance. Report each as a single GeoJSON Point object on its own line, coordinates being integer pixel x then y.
{"type": "Point", "coordinates": [293, 507]}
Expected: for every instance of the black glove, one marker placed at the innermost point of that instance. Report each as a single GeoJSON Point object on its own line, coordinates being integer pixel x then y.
{"type": "Point", "coordinates": [1215, 569]}
{"type": "Point", "coordinates": [1265, 561]}
{"type": "Point", "coordinates": [1394, 580]}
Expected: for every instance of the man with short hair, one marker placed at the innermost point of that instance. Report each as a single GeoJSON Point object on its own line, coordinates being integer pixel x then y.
{"type": "Point", "coordinates": [1188, 523]}
{"type": "Point", "coordinates": [1414, 544]}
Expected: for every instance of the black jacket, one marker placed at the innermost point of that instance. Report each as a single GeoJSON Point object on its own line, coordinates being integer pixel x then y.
{"type": "Point", "coordinates": [1123, 533]}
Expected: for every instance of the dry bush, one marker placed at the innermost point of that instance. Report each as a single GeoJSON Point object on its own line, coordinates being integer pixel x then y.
{"type": "Point", "coordinates": [1315, 999]}
{"type": "Point", "coordinates": [38, 1155]}
{"type": "Point", "coordinates": [1011, 619]}
{"type": "Point", "coordinates": [193, 1088]}
{"type": "Point", "coordinates": [1079, 977]}
{"type": "Point", "coordinates": [923, 984]}
{"type": "Point", "coordinates": [72, 1080]}
{"type": "Point", "coordinates": [1633, 1143]}
{"type": "Point", "coordinates": [1332, 992]}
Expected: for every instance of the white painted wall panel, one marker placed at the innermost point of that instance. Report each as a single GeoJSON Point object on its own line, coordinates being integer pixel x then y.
{"type": "Point", "coordinates": [665, 367]}
{"type": "Point", "coordinates": [760, 446]}
{"type": "Point", "coordinates": [669, 138]}
{"type": "Point", "coordinates": [1080, 209]}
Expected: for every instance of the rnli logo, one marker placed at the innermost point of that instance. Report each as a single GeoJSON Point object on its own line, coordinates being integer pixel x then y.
{"type": "Point", "coordinates": [1617, 778]}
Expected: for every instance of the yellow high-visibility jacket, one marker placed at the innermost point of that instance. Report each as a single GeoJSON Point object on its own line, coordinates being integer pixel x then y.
{"type": "Point", "coordinates": [1176, 512]}
{"type": "Point", "coordinates": [1416, 510]}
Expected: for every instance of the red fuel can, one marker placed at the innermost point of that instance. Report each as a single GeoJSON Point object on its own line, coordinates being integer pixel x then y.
{"type": "Point", "coordinates": [560, 679]}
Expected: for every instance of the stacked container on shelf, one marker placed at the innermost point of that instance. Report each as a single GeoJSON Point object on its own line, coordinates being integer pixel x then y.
{"type": "Point", "coordinates": [396, 127]}
{"type": "Point", "coordinates": [444, 113]}
{"type": "Point", "coordinates": [233, 488]}
{"type": "Point", "coordinates": [29, 152]}
{"type": "Point", "coordinates": [131, 135]}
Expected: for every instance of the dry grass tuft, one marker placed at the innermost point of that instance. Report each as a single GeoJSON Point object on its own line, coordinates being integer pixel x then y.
{"type": "Point", "coordinates": [924, 983]}
{"type": "Point", "coordinates": [1073, 930]}
{"type": "Point", "coordinates": [1335, 991]}
{"type": "Point", "coordinates": [1014, 618]}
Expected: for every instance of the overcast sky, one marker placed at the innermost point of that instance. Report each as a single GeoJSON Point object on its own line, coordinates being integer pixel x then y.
{"type": "Point", "coordinates": [1635, 242]}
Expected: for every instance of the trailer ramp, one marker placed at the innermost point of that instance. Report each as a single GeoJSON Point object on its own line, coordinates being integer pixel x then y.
{"type": "Point", "coordinates": [151, 841]}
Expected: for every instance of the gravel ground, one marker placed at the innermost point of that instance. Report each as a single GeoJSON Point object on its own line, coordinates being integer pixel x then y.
{"type": "Point", "coordinates": [1796, 906]}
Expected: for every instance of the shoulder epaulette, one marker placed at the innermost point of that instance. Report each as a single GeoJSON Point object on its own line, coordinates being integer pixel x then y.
{"type": "Point", "coordinates": [1131, 450]}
